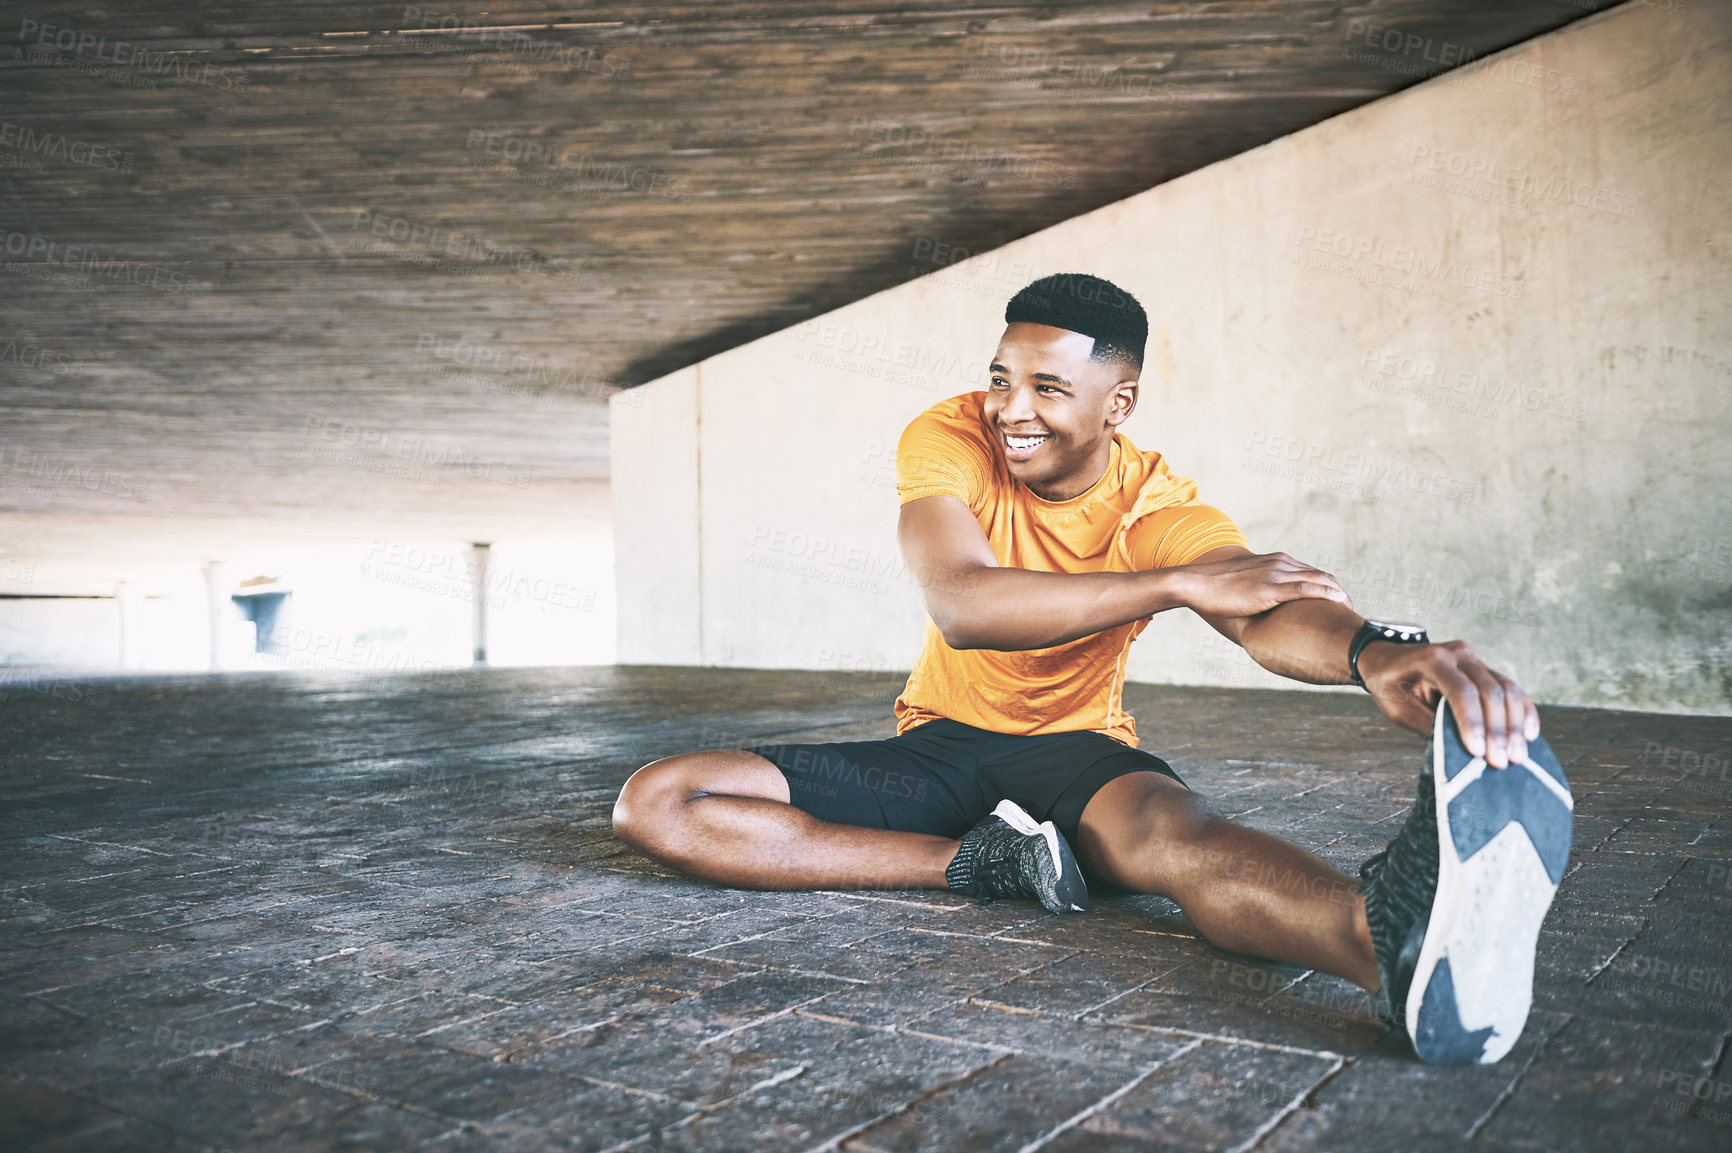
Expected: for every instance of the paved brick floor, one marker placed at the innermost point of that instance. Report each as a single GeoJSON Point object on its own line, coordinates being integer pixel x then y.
{"type": "Point", "coordinates": [316, 913]}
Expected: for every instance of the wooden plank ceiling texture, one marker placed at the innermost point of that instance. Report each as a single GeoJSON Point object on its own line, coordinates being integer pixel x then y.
{"type": "Point", "coordinates": [310, 269]}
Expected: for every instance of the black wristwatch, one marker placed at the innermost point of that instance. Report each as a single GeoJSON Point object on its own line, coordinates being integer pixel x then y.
{"type": "Point", "coordinates": [1394, 631]}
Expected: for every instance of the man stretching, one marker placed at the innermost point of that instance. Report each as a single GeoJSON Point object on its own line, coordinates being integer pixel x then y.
{"type": "Point", "coordinates": [1044, 541]}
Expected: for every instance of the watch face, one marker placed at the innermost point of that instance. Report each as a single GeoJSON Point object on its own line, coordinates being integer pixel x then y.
{"type": "Point", "coordinates": [1401, 627]}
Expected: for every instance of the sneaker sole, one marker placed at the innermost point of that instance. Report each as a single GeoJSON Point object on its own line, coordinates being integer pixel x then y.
{"type": "Point", "coordinates": [1067, 893]}
{"type": "Point", "coordinates": [1503, 842]}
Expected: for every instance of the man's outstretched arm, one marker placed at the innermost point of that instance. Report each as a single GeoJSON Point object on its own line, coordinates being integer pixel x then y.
{"type": "Point", "coordinates": [1291, 618]}
{"type": "Point", "coordinates": [1308, 640]}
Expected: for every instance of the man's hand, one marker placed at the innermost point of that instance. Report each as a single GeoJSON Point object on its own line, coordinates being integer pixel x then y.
{"type": "Point", "coordinates": [1246, 585]}
{"type": "Point", "coordinates": [1494, 714]}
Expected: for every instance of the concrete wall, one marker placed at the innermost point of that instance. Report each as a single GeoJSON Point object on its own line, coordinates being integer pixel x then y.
{"type": "Point", "coordinates": [1467, 346]}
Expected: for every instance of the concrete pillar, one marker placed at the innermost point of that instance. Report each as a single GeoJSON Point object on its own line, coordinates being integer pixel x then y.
{"type": "Point", "coordinates": [479, 554]}
{"type": "Point", "coordinates": [129, 598]}
{"type": "Point", "coordinates": [217, 592]}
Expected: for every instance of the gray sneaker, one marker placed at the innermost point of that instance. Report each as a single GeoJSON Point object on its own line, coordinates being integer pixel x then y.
{"type": "Point", "coordinates": [1009, 854]}
{"type": "Point", "coordinates": [1455, 902]}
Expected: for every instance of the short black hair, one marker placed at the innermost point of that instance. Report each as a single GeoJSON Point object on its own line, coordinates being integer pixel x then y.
{"type": "Point", "coordinates": [1089, 305]}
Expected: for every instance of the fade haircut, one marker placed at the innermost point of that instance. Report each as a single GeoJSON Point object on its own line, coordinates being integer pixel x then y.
{"type": "Point", "coordinates": [1087, 304]}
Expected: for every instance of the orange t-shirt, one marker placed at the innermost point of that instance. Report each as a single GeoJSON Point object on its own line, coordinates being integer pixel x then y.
{"type": "Point", "coordinates": [1138, 516]}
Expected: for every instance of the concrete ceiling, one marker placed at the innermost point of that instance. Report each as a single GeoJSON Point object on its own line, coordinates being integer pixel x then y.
{"type": "Point", "coordinates": [311, 271]}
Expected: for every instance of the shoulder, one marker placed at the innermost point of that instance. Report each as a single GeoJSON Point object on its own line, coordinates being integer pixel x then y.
{"type": "Point", "coordinates": [959, 417]}
{"type": "Point", "coordinates": [1152, 484]}
{"type": "Point", "coordinates": [951, 428]}
{"type": "Point", "coordinates": [946, 450]}
{"type": "Point", "coordinates": [1168, 522]}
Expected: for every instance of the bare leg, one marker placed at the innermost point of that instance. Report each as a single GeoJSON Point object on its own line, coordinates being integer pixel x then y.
{"type": "Point", "coordinates": [1245, 890]}
{"type": "Point", "coordinates": [725, 816]}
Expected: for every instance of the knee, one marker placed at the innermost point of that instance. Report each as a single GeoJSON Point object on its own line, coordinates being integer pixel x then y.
{"type": "Point", "coordinates": [650, 801]}
{"type": "Point", "coordinates": [1183, 838]}
{"type": "Point", "coordinates": [1180, 817]}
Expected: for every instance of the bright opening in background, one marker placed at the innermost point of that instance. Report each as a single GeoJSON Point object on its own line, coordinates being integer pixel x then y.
{"type": "Point", "coordinates": [388, 605]}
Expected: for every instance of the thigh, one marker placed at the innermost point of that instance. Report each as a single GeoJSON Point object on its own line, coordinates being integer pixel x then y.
{"type": "Point", "coordinates": [1059, 778]}
{"type": "Point", "coordinates": [1055, 776]}
{"type": "Point", "coordinates": [900, 783]}
{"type": "Point", "coordinates": [1134, 821]}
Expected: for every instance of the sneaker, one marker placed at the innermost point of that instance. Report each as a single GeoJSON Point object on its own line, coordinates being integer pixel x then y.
{"type": "Point", "coordinates": [1008, 854]}
{"type": "Point", "coordinates": [1455, 902]}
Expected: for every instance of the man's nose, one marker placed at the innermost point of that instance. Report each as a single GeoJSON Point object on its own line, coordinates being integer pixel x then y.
{"type": "Point", "coordinates": [1018, 406]}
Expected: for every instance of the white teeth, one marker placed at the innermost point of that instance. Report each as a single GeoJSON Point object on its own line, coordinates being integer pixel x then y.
{"type": "Point", "coordinates": [1022, 441]}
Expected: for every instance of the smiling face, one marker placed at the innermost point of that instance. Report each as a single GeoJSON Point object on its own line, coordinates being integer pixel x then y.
{"type": "Point", "coordinates": [1053, 411]}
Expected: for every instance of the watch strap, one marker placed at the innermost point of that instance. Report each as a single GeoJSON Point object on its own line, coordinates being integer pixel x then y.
{"type": "Point", "coordinates": [1380, 631]}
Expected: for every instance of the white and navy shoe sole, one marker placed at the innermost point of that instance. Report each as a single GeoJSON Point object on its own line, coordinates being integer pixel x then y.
{"type": "Point", "coordinates": [1503, 842]}
{"type": "Point", "coordinates": [1068, 892]}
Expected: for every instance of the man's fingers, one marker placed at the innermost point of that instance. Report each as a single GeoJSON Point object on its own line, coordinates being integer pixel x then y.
{"type": "Point", "coordinates": [1463, 697]}
{"type": "Point", "coordinates": [1311, 590]}
{"type": "Point", "coordinates": [1516, 702]}
{"type": "Point", "coordinates": [1494, 710]}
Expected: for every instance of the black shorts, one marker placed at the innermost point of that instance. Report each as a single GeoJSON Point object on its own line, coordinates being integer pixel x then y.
{"type": "Point", "coordinates": [944, 776]}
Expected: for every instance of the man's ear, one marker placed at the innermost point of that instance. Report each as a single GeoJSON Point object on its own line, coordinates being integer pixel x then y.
{"type": "Point", "coordinates": [1123, 402]}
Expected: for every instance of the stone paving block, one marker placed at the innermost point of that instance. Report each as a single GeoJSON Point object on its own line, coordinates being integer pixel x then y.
{"type": "Point", "coordinates": [546, 1017]}
{"type": "Point", "coordinates": [330, 986]}
{"type": "Point", "coordinates": [835, 1079]}
{"type": "Point", "coordinates": [1607, 1084]}
{"type": "Point", "coordinates": [650, 1037]}
{"type": "Point", "coordinates": [1703, 887]}
{"type": "Point", "coordinates": [1210, 1096]}
{"type": "Point", "coordinates": [1006, 1105]}
{"type": "Point", "coordinates": [725, 928]}
{"type": "Point", "coordinates": [1123, 1047]}
{"type": "Point", "coordinates": [634, 1057]}
{"type": "Point", "coordinates": [56, 1048]}
{"type": "Point", "coordinates": [944, 912]}
{"type": "Point", "coordinates": [1694, 799]}
{"type": "Point", "coordinates": [109, 1049]}
{"type": "Point", "coordinates": [682, 973]}
{"type": "Point", "coordinates": [429, 1078]}
{"type": "Point", "coordinates": [1130, 926]}
{"type": "Point", "coordinates": [231, 1105]}
{"type": "Point", "coordinates": [1307, 1130]}
{"type": "Point", "coordinates": [31, 962]}
{"type": "Point", "coordinates": [186, 981]}
{"type": "Point", "coordinates": [585, 1118]}
{"type": "Point", "coordinates": [1386, 1092]}
{"type": "Point", "coordinates": [650, 905]}
{"type": "Point", "coordinates": [1588, 832]}
{"type": "Point", "coordinates": [112, 906]}
{"type": "Point", "coordinates": [1669, 975]}
{"type": "Point", "coordinates": [35, 1116]}
{"type": "Point", "coordinates": [253, 905]}
{"type": "Point", "coordinates": [1577, 976]}
{"type": "Point", "coordinates": [566, 932]}
{"type": "Point", "coordinates": [945, 969]}
{"type": "Point", "coordinates": [1657, 831]}
{"type": "Point", "coordinates": [246, 944]}
{"type": "Point", "coordinates": [421, 1014]}
{"type": "Point", "coordinates": [1617, 883]}
{"type": "Point", "coordinates": [829, 944]}
{"type": "Point", "coordinates": [1245, 1017]}
{"type": "Point", "coordinates": [1075, 985]}
{"type": "Point", "coordinates": [1714, 844]}
{"type": "Point", "coordinates": [1341, 1010]}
